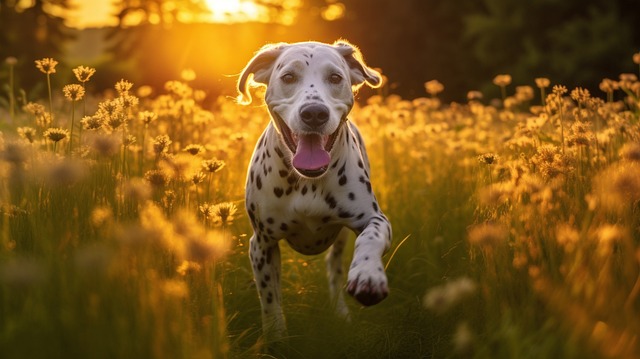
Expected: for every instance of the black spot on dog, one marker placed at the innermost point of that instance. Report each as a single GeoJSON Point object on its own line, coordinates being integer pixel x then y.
{"type": "Point", "coordinates": [341, 170]}
{"type": "Point", "coordinates": [278, 191]}
{"type": "Point", "coordinates": [331, 201]}
{"type": "Point", "coordinates": [258, 182]}
{"type": "Point", "coordinates": [352, 196]}
{"type": "Point", "coordinates": [279, 152]}
{"type": "Point", "coordinates": [343, 180]}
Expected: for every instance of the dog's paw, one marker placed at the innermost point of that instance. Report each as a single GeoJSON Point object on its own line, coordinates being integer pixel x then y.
{"type": "Point", "coordinates": [367, 282]}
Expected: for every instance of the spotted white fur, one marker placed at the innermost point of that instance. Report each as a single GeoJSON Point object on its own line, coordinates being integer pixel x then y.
{"type": "Point", "coordinates": [308, 181]}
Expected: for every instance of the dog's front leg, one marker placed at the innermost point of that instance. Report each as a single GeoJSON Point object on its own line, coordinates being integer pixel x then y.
{"type": "Point", "coordinates": [367, 281]}
{"type": "Point", "coordinates": [265, 260]}
{"type": "Point", "coordinates": [333, 260]}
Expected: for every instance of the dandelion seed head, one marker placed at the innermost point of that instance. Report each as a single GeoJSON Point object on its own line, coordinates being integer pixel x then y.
{"type": "Point", "coordinates": [542, 82]}
{"type": "Point", "coordinates": [175, 289]}
{"type": "Point", "coordinates": [11, 61]}
{"type": "Point", "coordinates": [567, 237]}
{"type": "Point", "coordinates": [433, 87]}
{"type": "Point", "coordinates": [105, 145]}
{"type": "Point", "coordinates": [181, 167]}
{"type": "Point", "coordinates": [631, 152]}
{"type": "Point", "coordinates": [463, 339]}
{"type": "Point", "coordinates": [580, 134]}
{"type": "Point", "coordinates": [156, 178]}
{"type": "Point", "coordinates": [33, 108]}
{"type": "Point", "coordinates": [91, 123]}
{"type": "Point", "coordinates": [101, 216]}
{"type": "Point", "coordinates": [129, 140]}
{"type": "Point", "coordinates": [115, 122]}
{"type": "Point", "coordinates": [187, 266]}
{"type": "Point", "coordinates": [524, 93]}
{"type": "Point", "coordinates": [618, 186]}
{"type": "Point", "coordinates": [44, 120]}
{"type": "Point", "coordinates": [15, 153]}
{"type": "Point", "coordinates": [161, 144]}
{"type": "Point", "coordinates": [127, 101]}
{"type": "Point", "coordinates": [474, 95]}
{"type": "Point", "coordinates": [188, 75]}
{"type": "Point", "coordinates": [147, 117]}
{"type": "Point", "coordinates": [502, 80]}
{"type": "Point", "coordinates": [487, 235]}
{"type": "Point", "coordinates": [441, 298]}
{"type": "Point", "coordinates": [27, 133]}
{"type": "Point", "coordinates": [63, 173]}
{"type": "Point", "coordinates": [608, 85]}
{"type": "Point", "coordinates": [137, 189]}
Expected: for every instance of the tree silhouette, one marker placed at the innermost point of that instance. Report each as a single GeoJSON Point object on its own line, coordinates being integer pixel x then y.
{"type": "Point", "coordinates": [29, 34]}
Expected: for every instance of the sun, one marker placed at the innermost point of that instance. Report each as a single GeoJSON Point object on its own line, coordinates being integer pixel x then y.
{"type": "Point", "coordinates": [233, 10]}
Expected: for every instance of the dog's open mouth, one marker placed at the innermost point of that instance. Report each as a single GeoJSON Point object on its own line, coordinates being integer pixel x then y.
{"type": "Point", "coordinates": [311, 151]}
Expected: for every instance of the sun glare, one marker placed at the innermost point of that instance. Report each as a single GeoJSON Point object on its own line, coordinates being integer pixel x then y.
{"type": "Point", "coordinates": [233, 10]}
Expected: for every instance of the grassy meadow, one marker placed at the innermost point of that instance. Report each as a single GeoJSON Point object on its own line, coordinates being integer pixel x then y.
{"type": "Point", "coordinates": [516, 225]}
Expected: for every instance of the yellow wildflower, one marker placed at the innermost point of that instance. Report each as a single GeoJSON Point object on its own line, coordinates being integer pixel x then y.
{"type": "Point", "coordinates": [83, 74]}
{"type": "Point", "coordinates": [73, 92]}
{"type": "Point", "coordinates": [47, 65]}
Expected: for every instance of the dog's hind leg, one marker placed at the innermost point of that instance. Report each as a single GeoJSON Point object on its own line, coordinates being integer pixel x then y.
{"type": "Point", "coordinates": [335, 274]}
{"type": "Point", "coordinates": [265, 259]}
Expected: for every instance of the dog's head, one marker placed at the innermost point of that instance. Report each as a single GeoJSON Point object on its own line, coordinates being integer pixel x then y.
{"type": "Point", "coordinates": [309, 94]}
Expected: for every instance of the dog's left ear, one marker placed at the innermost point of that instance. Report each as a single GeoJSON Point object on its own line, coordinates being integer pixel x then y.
{"type": "Point", "coordinates": [258, 70]}
{"type": "Point", "coordinates": [359, 71]}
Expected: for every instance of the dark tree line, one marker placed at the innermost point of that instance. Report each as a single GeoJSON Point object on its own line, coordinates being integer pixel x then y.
{"type": "Point", "coordinates": [30, 34]}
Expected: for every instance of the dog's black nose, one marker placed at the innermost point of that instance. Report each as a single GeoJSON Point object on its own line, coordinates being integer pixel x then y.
{"type": "Point", "coordinates": [314, 115]}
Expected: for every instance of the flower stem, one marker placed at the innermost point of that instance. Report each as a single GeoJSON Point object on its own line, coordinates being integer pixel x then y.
{"type": "Point", "coordinates": [12, 99]}
{"type": "Point", "coordinates": [73, 115]}
{"type": "Point", "coordinates": [50, 98]}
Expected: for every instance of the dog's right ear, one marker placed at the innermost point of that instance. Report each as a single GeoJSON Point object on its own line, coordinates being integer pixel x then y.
{"type": "Point", "coordinates": [258, 70]}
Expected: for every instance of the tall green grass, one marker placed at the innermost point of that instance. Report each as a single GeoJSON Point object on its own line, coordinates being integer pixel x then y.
{"type": "Point", "coordinates": [516, 229]}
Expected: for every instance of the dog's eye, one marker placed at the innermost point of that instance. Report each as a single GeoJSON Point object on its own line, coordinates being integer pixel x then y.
{"type": "Point", "coordinates": [288, 78]}
{"type": "Point", "coordinates": [335, 79]}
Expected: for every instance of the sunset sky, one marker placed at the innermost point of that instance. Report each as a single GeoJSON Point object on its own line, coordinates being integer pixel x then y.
{"type": "Point", "coordinates": [90, 13]}
{"type": "Point", "coordinates": [95, 13]}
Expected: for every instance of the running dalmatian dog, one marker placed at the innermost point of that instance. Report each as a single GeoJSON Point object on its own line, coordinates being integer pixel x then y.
{"type": "Point", "coordinates": [308, 181]}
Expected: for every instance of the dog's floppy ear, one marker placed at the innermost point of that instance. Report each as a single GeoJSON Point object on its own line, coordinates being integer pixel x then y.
{"type": "Point", "coordinates": [360, 73]}
{"type": "Point", "coordinates": [258, 70]}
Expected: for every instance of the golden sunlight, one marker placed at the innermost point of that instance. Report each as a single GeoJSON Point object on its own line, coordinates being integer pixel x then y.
{"type": "Point", "coordinates": [234, 11]}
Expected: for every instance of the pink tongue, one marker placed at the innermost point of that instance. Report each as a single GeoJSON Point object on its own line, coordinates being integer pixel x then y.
{"type": "Point", "coordinates": [310, 154]}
